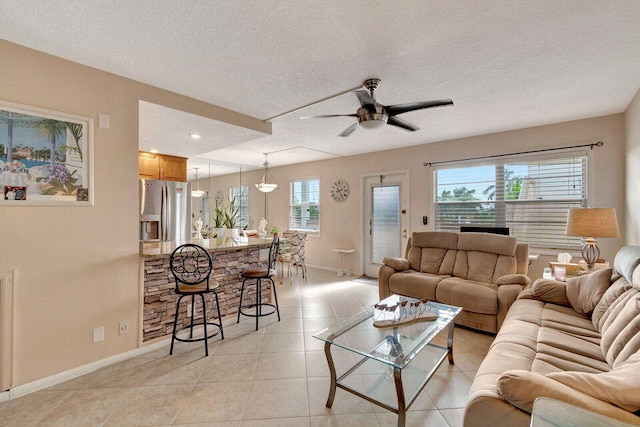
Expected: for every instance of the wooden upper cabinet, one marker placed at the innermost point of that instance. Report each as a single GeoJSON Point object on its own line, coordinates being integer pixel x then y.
{"type": "Point", "coordinates": [148, 165]}
{"type": "Point", "coordinates": [162, 166]}
{"type": "Point", "coordinates": [173, 168]}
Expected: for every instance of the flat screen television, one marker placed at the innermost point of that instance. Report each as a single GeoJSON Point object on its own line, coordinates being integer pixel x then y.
{"type": "Point", "coordinates": [476, 229]}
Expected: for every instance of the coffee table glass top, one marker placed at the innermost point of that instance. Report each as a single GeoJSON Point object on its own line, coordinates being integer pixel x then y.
{"type": "Point", "coordinates": [394, 346]}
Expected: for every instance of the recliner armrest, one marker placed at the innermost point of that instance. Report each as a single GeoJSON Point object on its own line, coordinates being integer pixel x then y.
{"type": "Point", "coordinates": [398, 264]}
{"type": "Point", "coordinates": [514, 279]}
{"type": "Point", "coordinates": [550, 290]}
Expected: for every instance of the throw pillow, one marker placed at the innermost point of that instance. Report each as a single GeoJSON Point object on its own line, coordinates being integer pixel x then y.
{"type": "Point", "coordinates": [514, 279]}
{"type": "Point", "coordinates": [584, 292]}
{"type": "Point", "coordinates": [398, 264]}
{"type": "Point", "coordinates": [551, 291]}
{"type": "Point", "coordinates": [620, 386]}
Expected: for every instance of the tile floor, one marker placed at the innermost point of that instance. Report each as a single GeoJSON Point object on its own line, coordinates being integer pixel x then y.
{"type": "Point", "coordinates": [277, 376]}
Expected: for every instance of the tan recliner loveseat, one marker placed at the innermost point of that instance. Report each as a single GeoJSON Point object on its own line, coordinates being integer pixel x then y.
{"type": "Point", "coordinates": [578, 342]}
{"type": "Point", "coordinates": [482, 273]}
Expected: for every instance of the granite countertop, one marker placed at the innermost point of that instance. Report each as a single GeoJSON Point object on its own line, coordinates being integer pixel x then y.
{"type": "Point", "coordinates": [164, 249]}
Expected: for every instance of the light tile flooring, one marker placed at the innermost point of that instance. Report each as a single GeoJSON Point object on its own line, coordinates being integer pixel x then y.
{"type": "Point", "coordinates": [277, 376]}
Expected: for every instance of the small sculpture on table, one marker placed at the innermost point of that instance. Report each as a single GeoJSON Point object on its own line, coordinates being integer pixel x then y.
{"type": "Point", "coordinates": [262, 229]}
{"type": "Point", "coordinates": [199, 229]}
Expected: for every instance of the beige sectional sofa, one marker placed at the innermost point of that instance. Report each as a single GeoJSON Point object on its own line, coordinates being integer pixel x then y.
{"type": "Point", "coordinates": [482, 273]}
{"type": "Point", "coordinates": [577, 342]}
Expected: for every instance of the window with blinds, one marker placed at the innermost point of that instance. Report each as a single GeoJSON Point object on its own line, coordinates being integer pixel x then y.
{"type": "Point", "coordinates": [529, 195]}
{"type": "Point", "coordinates": [305, 205]}
{"type": "Point", "coordinates": [240, 194]}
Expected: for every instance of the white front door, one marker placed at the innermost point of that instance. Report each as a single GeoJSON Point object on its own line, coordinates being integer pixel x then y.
{"type": "Point", "coordinates": [385, 220]}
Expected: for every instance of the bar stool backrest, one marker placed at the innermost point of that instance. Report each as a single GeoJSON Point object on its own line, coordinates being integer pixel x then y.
{"type": "Point", "coordinates": [191, 265]}
{"type": "Point", "coordinates": [273, 255]}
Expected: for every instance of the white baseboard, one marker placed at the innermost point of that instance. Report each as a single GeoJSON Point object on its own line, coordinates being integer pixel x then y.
{"type": "Point", "coordinates": [321, 267]}
{"type": "Point", "coordinates": [58, 378]}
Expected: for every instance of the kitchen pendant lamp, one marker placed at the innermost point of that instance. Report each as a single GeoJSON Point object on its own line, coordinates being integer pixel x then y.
{"type": "Point", "coordinates": [264, 185]}
{"type": "Point", "coordinates": [197, 192]}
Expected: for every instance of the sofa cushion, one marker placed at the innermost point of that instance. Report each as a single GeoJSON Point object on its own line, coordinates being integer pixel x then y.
{"type": "Point", "coordinates": [488, 243]}
{"type": "Point", "coordinates": [626, 261]}
{"type": "Point", "coordinates": [604, 307]}
{"type": "Point", "coordinates": [415, 284]}
{"type": "Point", "coordinates": [437, 260]}
{"type": "Point", "coordinates": [584, 292]}
{"type": "Point", "coordinates": [620, 386]}
{"type": "Point", "coordinates": [621, 330]}
{"type": "Point", "coordinates": [478, 297]}
{"type": "Point", "coordinates": [550, 291]}
{"type": "Point", "coordinates": [435, 239]}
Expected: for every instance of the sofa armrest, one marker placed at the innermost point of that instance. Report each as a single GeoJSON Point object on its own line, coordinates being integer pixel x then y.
{"type": "Point", "coordinates": [514, 279]}
{"type": "Point", "coordinates": [384, 274]}
{"type": "Point", "coordinates": [552, 291]}
{"type": "Point", "coordinates": [507, 295]}
{"type": "Point", "coordinates": [398, 264]}
{"type": "Point", "coordinates": [521, 388]}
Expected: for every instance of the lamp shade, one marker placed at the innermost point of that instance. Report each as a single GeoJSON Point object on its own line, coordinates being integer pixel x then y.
{"type": "Point", "coordinates": [592, 222]}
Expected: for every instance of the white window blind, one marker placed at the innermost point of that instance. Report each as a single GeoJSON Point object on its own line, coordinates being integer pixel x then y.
{"type": "Point", "coordinates": [305, 205]}
{"type": "Point", "coordinates": [529, 195]}
{"type": "Point", "coordinates": [240, 194]}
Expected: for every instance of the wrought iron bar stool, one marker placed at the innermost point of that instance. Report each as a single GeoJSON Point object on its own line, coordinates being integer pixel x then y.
{"type": "Point", "coordinates": [191, 266]}
{"type": "Point", "coordinates": [258, 275]}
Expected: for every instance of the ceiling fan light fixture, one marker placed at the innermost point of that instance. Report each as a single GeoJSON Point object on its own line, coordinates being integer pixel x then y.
{"type": "Point", "coordinates": [264, 185]}
{"type": "Point", "coordinates": [373, 120]}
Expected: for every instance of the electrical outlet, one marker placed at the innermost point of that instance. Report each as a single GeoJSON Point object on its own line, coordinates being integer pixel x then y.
{"type": "Point", "coordinates": [124, 327]}
{"type": "Point", "coordinates": [98, 334]}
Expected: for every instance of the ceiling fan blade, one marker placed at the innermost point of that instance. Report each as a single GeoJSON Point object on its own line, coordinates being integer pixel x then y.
{"type": "Point", "coordinates": [395, 121]}
{"type": "Point", "coordinates": [348, 131]}
{"type": "Point", "coordinates": [393, 110]}
{"type": "Point", "coordinates": [365, 99]}
{"type": "Point", "coordinates": [325, 116]}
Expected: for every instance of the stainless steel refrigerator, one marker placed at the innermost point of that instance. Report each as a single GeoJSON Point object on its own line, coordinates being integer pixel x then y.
{"type": "Point", "coordinates": [165, 210]}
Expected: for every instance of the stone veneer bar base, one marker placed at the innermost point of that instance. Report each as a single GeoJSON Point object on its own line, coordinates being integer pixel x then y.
{"type": "Point", "coordinates": [160, 298]}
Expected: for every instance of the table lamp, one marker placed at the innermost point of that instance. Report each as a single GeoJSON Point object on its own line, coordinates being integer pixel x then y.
{"type": "Point", "coordinates": [591, 223]}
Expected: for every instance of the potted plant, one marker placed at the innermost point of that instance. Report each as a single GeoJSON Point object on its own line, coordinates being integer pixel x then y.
{"type": "Point", "coordinates": [219, 220]}
{"type": "Point", "coordinates": [274, 231]}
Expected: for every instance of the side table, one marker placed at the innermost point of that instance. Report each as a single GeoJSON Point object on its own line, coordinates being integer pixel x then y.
{"type": "Point", "coordinates": [341, 252]}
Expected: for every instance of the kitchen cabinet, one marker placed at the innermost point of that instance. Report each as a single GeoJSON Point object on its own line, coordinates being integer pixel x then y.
{"type": "Point", "coordinates": [162, 166]}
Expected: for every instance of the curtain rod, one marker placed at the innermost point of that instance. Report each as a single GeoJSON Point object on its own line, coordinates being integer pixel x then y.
{"type": "Point", "coordinates": [595, 144]}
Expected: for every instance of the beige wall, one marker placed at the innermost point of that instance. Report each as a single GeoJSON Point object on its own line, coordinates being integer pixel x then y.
{"type": "Point", "coordinates": [632, 165]}
{"type": "Point", "coordinates": [77, 267]}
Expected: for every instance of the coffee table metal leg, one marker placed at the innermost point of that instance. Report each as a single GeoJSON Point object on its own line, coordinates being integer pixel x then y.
{"type": "Point", "coordinates": [332, 373]}
{"type": "Point", "coordinates": [402, 409]}
{"type": "Point", "coordinates": [450, 343]}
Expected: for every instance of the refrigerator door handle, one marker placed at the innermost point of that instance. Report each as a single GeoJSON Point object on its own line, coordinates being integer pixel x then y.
{"type": "Point", "coordinates": [163, 214]}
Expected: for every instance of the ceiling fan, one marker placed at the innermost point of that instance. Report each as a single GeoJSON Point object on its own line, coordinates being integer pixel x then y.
{"type": "Point", "coordinates": [373, 115]}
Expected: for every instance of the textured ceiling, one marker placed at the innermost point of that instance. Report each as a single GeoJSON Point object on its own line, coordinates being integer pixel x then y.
{"type": "Point", "coordinates": [506, 65]}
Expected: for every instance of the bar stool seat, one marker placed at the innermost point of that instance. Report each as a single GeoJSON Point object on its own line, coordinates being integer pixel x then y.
{"type": "Point", "coordinates": [258, 275]}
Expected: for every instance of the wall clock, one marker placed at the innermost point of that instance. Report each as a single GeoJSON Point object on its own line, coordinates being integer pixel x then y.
{"type": "Point", "coordinates": [340, 191]}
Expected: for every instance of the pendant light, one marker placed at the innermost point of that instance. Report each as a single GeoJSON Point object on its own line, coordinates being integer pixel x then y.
{"type": "Point", "coordinates": [197, 192]}
{"type": "Point", "coordinates": [264, 184]}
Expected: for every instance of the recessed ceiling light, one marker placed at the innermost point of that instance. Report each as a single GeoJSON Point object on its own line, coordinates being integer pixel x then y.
{"type": "Point", "coordinates": [195, 136]}
{"type": "Point", "coordinates": [153, 150]}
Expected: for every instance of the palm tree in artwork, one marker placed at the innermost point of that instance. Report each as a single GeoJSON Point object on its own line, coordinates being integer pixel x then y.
{"type": "Point", "coordinates": [51, 129]}
{"type": "Point", "coordinates": [76, 132]}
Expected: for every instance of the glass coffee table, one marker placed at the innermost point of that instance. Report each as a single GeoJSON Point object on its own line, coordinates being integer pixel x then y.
{"type": "Point", "coordinates": [394, 363]}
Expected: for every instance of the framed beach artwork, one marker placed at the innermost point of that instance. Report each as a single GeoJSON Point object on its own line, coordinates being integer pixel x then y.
{"type": "Point", "coordinates": [46, 157]}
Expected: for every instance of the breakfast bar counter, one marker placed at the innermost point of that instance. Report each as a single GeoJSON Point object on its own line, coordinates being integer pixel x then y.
{"type": "Point", "coordinates": [230, 257]}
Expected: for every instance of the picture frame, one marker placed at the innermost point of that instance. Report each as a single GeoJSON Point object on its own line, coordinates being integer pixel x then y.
{"type": "Point", "coordinates": [46, 157]}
